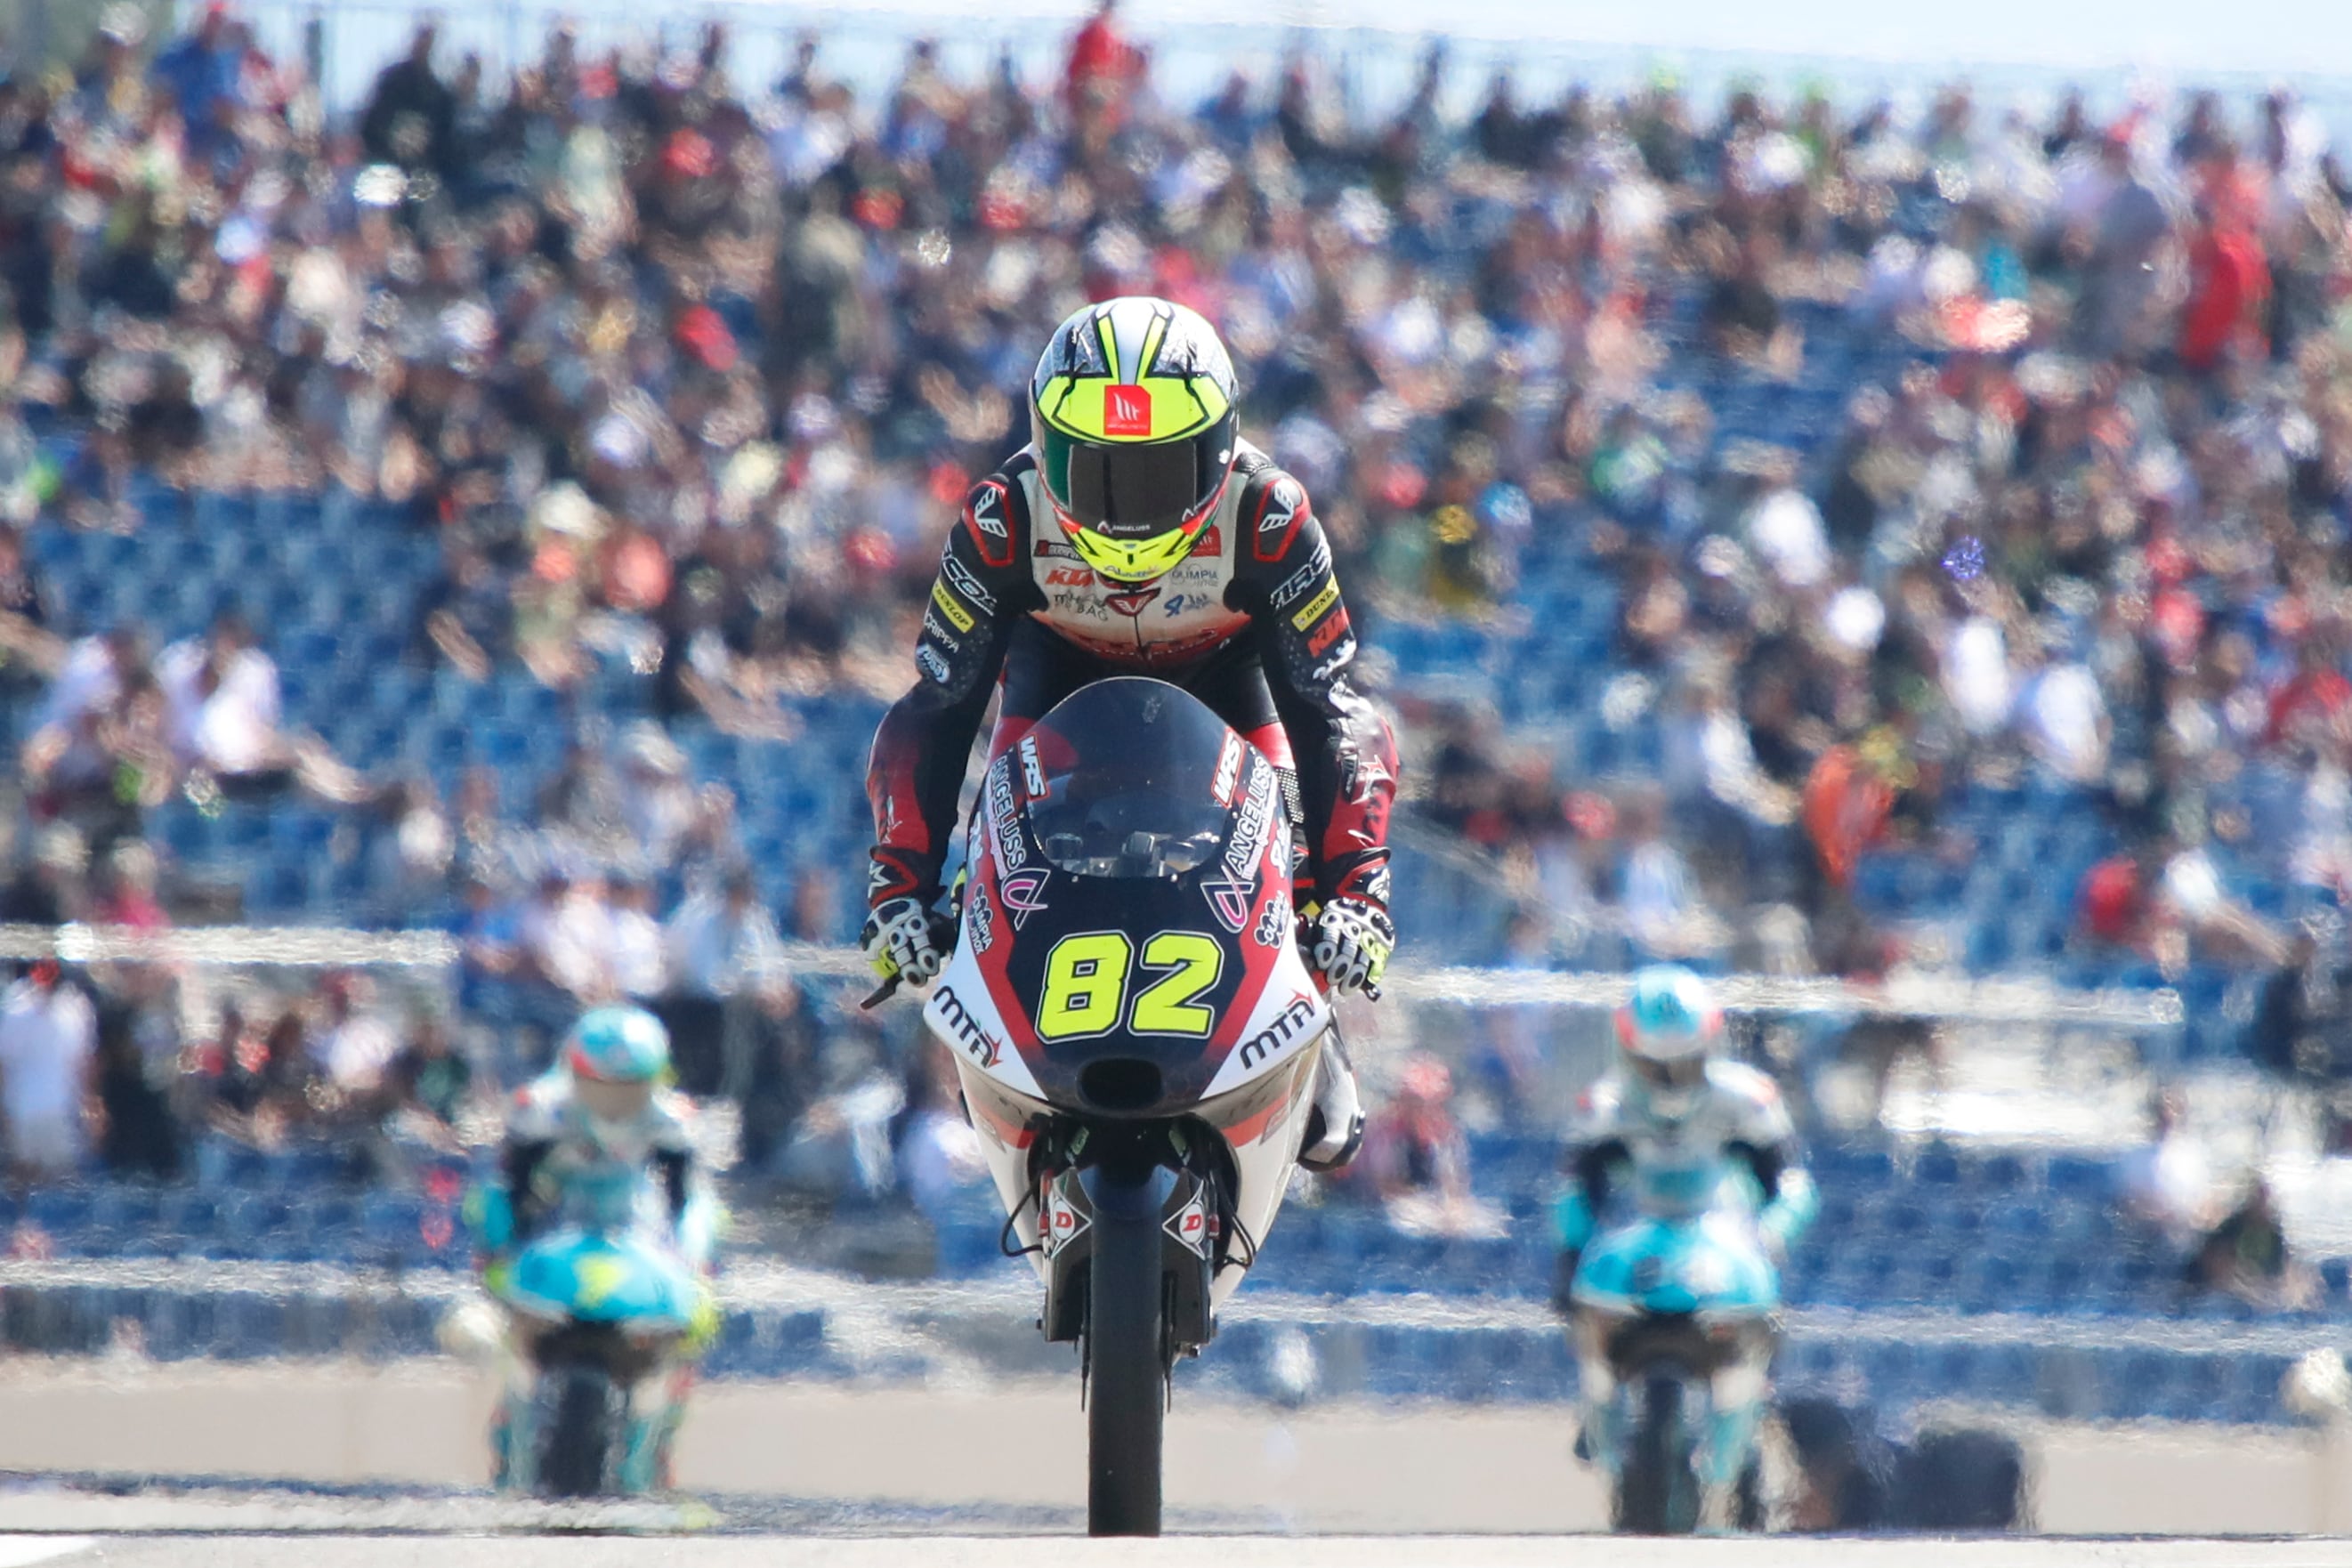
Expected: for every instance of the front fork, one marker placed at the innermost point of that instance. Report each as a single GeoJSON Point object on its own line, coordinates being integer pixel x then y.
{"type": "Point", "coordinates": [1193, 1221]}
{"type": "Point", "coordinates": [1738, 1385]}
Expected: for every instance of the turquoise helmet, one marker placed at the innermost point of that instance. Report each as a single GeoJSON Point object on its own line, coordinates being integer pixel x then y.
{"type": "Point", "coordinates": [1668, 1028]}
{"type": "Point", "coordinates": [618, 1045]}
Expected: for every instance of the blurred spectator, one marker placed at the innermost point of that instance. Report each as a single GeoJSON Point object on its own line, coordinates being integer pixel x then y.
{"type": "Point", "coordinates": [1418, 1160]}
{"type": "Point", "coordinates": [352, 1044]}
{"type": "Point", "coordinates": [49, 1041]}
{"type": "Point", "coordinates": [2246, 1256]}
{"type": "Point", "coordinates": [2168, 1184]}
{"type": "Point", "coordinates": [430, 1084]}
{"type": "Point", "coordinates": [721, 943]}
{"type": "Point", "coordinates": [410, 120]}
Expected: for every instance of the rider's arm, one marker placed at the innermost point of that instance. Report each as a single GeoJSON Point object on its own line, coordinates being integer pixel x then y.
{"type": "Point", "coordinates": [675, 1166]}
{"type": "Point", "coordinates": [1765, 1140]}
{"type": "Point", "coordinates": [983, 587]}
{"type": "Point", "coordinates": [1590, 1170]}
{"type": "Point", "coordinates": [1346, 756]}
{"type": "Point", "coordinates": [520, 1169]}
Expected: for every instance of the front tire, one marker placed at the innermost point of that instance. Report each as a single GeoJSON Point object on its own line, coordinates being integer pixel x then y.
{"type": "Point", "coordinates": [1656, 1493]}
{"type": "Point", "coordinates": [580, 1441]}
{"type": "Point", "coordinates": [1127, 1359]}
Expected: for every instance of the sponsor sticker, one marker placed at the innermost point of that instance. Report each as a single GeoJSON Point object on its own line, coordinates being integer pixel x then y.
{"type": "Point", "coordinates": [978, 1044]}
{"type": "Point", "coordinates": [1229, 901]}
{"type": "Point", "coordinates": [1131, 605]}
{"type": "Point", "coordinates": [1069, 577]}
{"type": "Point", "coordinates": [1273, 924]}
{"type": "Point", "coordinates": [1060, 1222]}
{"type": "Point", "coordinates": [1320, 640]}
{"type": "Point", "coordinates": [1248, 848]}
{"type": "Point", "coordinates": [1012, 852]}
{"type": "Point", "coordinates": [1229, 770]}
{"type": "Point", "coordinates": [1289, 592]}
{"type": "Point", "coordinates": [1314, 608]}
{"type": "Point", "coordinates": [932, 664]}
{"type": "Point", "coordinates": [961, 579]}
{"type": "Point", "coordinates": [957, 616]}
{"type": "Point", "coordinates": [979, 920]}
{"type": "Point", "coordinates": [1023, 893]}
{"type": "Point", "coordinates": [1033, 771]}
{"type": "Point", "coordinates": [1286, 1030]}
{"type": "Point", "coordinates": [939, 634]}
{"type": "Point", "coordinates": [1127, 410]}
{"type": "Point", "coordinates": [1054, 549]}
{"type": "Point", "coordinates": [1337, 662]}
{"type": "Point", "coordinates": [1190, 1227]}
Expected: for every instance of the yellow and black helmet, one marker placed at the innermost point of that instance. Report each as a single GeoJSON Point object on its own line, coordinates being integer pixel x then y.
{"type": "Point", "coordinates": [1133, 414]}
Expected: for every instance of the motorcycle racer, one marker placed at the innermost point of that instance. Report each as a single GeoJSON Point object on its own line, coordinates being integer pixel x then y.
{"type": "Point", "coordinates": [1138, 533]}
{"type": "Point", "coordinates": [601, 1110]}
{"type": "Point", "coordinates": [1679, 1129]}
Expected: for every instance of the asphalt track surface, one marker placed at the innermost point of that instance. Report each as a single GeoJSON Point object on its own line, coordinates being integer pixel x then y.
{"type": "Point", "coordinates": [606, 1551]}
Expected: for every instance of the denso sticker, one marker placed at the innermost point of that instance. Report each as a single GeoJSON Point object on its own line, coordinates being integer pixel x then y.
{"type": "Point", "coordinates": [961, 579]}
{"type": "Point", "coordinates": [956, 614]}
{"type": "Point", "coordinates": [1012, 852]}
{"type": "Point", "coordinates": [1315, 606]}
{"type": "Point", "coordinates": [1291, 589]}
{"type": "Point", "coordinates": [932, 664]}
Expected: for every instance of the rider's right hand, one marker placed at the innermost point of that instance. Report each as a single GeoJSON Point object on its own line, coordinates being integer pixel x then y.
{"type": "Point", "coordinates": [905, 940]}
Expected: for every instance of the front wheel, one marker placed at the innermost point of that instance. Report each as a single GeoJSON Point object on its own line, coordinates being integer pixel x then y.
{"type": "Point", "coordinates": [1657, 1492]}
{"type": "Point", "coordinates": [1126, 1357]}
{"type": "Point", "coordinates": [580, 1439]}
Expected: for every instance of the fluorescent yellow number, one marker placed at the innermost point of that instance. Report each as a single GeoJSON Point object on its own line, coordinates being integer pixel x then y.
{"type": "Point", "coordinates": [1086, 981]}
{"type": "Point", "coordinates": [1167, 1007]}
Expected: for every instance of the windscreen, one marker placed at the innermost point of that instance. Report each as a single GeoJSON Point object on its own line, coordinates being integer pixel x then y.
{"type": "Point", "coordinates": [1129, 779]}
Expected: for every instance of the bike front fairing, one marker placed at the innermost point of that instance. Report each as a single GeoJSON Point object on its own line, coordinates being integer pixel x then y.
{"type": "Point", "coordinates": [1711, 1265]}
{"type": "Point", "coordinates": [1128, 947]}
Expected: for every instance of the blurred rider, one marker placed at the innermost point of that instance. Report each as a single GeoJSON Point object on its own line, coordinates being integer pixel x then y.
{"type": "Point", "coordinates": [1138, 533]}
{"type": "Point", "coordinates": [1682, 1130]}
{"type": "Point", "coordinates": [602, 1112]}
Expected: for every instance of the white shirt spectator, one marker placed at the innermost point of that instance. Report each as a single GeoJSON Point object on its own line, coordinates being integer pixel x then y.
{"type": "Point", "coordinates": [2066, 721]}
{"type": "Point", "coordinates": [47, 1036]}
{"type": "Point", "coordinates": [717, 944]}
{"type": "Point", "coordinates": [1784, 528]}
{"type": "Point", "coordinates": [570, 939]}
{"type": "Point", "coordinates": [1659, 895]}
{"type": "Point", "coordinates": [88, 682]}
{"type": "Point", "coordinates": [355, 1051]}
{"type": "Point", "coordinates": [1976, 674]}
{"type": "Point", "coordinates": [640, 957]}
{"type": "Point", "coordinates": [233, 729]}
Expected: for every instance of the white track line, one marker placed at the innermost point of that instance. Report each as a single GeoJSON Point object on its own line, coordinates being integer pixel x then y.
{"type": "Point", "coordinates": [23, 1551]}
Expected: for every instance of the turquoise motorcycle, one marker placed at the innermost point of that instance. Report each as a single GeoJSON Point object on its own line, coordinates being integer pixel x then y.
{"type": "Point", "coordinates": [607, 1311]}
{"type": "Point", "coordinates": [1684, 1312]}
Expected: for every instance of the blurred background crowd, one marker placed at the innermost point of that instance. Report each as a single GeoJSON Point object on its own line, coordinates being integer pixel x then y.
{"type": "Point", "coordinates": [1795, 535]}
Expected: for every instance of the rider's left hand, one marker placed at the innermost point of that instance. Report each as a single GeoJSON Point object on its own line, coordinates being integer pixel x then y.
{"type": "Point", "coordinates": [1353, 940]}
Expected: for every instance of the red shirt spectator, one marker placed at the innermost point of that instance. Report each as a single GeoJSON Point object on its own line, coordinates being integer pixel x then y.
{"type": "Point", "coordinates": [2115, 905]}
{"type": "Point", "coordinates": [1104, 66]}
{"type": "Point", "coordinates": [2229, 295]}
{"type": "Point", "coordinates": [2317, 694]}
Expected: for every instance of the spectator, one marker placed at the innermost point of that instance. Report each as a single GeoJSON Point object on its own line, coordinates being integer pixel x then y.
{"type": "Point", "coordinates": [2246, 1256]}
{"type": "Point", "coordinates": [430, 1085]}
{"type": "Point", "coordinates": [721, 944]}
{"type": "Point", "coordinates": [411, 118]}
{"type": "Point", "coordinates": [2167, 1185]}
{"type": "Point", "coordinates": [1419, 1162]}
{"type": "Point", "coordinates": [49, 1041]}
{"type": "Point", "coordinates": [352, 1046]}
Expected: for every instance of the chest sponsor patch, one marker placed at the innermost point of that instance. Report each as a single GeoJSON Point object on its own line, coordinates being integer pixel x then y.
{"type": "Point", "coordinates": [1131, 603]}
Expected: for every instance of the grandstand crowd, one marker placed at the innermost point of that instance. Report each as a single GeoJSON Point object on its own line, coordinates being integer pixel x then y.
{"type": "Point", "coordinates": [1910, 461]}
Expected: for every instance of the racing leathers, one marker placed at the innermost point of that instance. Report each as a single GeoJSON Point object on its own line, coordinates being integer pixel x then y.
{"type": "Point", "coordinates": [1680, 1154]}
{"type": "Point", "coordinates": [1252, 622]}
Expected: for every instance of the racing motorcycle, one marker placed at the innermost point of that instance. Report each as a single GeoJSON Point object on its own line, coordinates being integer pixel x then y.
{"type": "Point", "coordinates": [1137, 1036]}
{"type": "Point", "coordinates": [605, 1313]}
{"type": "Point", "coordinates": [1685, 1312]}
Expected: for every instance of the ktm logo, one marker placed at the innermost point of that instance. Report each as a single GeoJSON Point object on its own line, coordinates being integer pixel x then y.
{"type": "Point", "coordinates": [1126, 411]}
{"type": "Point", "coordinates": [1068, 577]}
{"type": "Point", "coordinates": [1326, 634]}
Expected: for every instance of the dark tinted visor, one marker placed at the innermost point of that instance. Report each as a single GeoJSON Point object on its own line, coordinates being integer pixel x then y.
{"type": "Point", "coordinates": [1134, 491]}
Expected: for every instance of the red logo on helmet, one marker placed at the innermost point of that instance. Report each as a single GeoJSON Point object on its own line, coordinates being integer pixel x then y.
{"type": "Point", "coordinates": [1126, 411]}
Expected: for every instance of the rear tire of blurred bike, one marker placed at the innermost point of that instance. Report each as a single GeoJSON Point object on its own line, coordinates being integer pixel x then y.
{"type": "Point", "coordinates": [580, 1439]}
{"type": "Point", "coordinates": [1126, 1357]}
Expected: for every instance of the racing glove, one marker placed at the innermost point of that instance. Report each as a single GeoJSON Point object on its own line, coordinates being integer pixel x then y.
{"type": "Point", "coordinates": [904, 941]}
{"type": "Point", "coordinates": [1353, 939]}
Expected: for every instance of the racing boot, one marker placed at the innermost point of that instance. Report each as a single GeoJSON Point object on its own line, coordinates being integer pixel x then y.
{"type": "Point", "coordinates": [1335, 1127]}
{"type": "Point", "coordinates": [1726, 1447]}
{"type": "Point", "coordinates": [514, 1443]}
